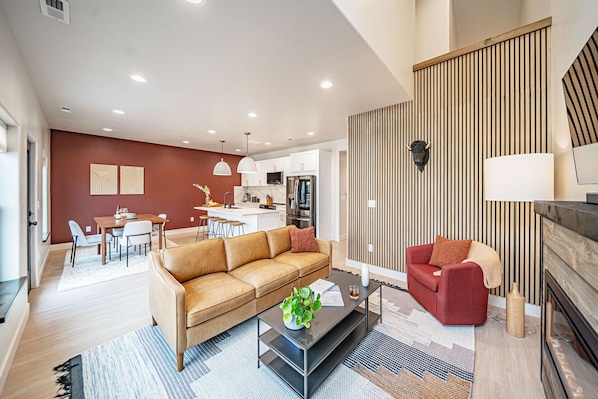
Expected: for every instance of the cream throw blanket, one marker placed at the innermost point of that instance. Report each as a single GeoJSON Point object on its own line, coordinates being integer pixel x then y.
{"type": "Point", "coordinates": [488, 260]}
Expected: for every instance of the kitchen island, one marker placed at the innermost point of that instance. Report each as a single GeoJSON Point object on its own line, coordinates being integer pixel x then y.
{"type": "Point", "coordinates": [255, 219]}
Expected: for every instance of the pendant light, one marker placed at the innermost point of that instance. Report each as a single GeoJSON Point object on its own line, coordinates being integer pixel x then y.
{"type": "Point", "coordinates": [247, 165]}
{"type": "Point", "coordinates": [222, 168]}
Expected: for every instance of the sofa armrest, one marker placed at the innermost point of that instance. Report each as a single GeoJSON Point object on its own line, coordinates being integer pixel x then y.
{"type": "Point", "coordinates": [419, 254]}
{"type": "Point", "coordinates": [325, 247]}
{"type": "Point", "coordinates": [167, 300]}
{"type": "Point", "coordinates": [462, 290]}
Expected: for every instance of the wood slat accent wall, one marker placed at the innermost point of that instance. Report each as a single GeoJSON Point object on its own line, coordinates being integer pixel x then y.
{"type": "Point", "coordinates": [486, 103]}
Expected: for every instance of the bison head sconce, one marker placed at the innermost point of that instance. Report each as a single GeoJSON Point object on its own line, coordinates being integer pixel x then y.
{"type": "Point", "coordinates": [421, 153]}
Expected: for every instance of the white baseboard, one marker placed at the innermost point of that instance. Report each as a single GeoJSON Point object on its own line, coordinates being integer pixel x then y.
{"type": "Point", "coordinates": [498, 301]}
{"type": "Point", "coordinates": [14, 331]}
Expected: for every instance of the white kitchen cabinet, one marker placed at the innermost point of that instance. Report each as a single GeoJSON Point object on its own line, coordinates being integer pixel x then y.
{"type": "Point", "coordinates": [255, 179]}
{"type": "Point", "coordinates": [276, 165]}
{"type": "Point", "coordinates": [248, 179]}
{"type": "Point", "coordinates": [260, 176]}
{"type": "Point", "coordinates": [282, 218]}
{"type": "Point", "coordinates": [286, 169]}
{"type": "Point", "coordinates": [306, 161]}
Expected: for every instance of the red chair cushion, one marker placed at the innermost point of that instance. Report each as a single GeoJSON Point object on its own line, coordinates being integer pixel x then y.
{"type": "Point", "coordinates": [423, 273]}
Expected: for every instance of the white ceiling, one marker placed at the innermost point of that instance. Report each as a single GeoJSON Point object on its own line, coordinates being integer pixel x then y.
{"type": "Point", "coordinates": [207, 67]}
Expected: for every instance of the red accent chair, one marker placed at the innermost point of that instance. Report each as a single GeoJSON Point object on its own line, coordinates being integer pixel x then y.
{"type": "Point", "coordinates": [457, 297]}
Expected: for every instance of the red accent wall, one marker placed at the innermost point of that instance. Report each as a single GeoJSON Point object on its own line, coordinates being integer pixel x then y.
{"type": "Point", "coordinates": [169, 176]}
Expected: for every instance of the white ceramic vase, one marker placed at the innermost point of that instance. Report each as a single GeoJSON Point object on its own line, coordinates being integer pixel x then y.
{"type": "Point", "coordinates": [365, 274]}
{"type": "Point", "coordinates": [292, 325]}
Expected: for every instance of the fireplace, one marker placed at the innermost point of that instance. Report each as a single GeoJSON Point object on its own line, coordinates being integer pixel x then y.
{"type": "Point", "coordinates": [569, 261]}
{"type": "Point", "coordinates": [569, 347]}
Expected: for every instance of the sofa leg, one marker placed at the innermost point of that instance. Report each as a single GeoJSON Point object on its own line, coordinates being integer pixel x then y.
{"type": "Point", "coordinates": [154, 321]}
{"type": "Point", "coordinates": [180, 361]}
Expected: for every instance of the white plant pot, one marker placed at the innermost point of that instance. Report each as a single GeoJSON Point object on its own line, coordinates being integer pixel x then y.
{"type": "Point", "coordinates": [292, 325]}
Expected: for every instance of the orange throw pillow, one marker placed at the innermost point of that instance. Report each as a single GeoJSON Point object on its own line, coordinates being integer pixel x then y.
{"type": "Point", "coordinates": [303, 240]}
{"type": "Point", "coordinates": [448, 252]}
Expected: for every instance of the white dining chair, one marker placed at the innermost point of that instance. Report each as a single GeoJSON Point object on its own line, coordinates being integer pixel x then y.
{"type": "Point", "coordinates": [82, 240]}
{"type": "Point", "coordinates": [117, 232]}
{"type": "Point", "coordinates": [136, 233]}
{"type": "Point", "coordinates": [156, 228]}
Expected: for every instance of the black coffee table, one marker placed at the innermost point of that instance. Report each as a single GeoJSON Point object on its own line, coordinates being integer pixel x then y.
{"type": "Point", "coordinates": [304, 358]}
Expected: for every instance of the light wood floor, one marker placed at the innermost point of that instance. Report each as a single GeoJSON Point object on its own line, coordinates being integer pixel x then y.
{"type": "Point", "coordinates": [63, 324]}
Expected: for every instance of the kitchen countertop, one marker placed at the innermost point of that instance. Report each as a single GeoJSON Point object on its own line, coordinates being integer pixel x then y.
{"type": "Point", "coordinates": [238, 211]}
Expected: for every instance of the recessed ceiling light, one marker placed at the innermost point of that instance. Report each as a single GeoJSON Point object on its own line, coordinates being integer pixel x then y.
{"type": "Point", "coordinates": [185, 141]}
{"type": "Point", "coordinates": [107, 129]}
{"type": "Point", "coordinates": [118, 111]}
{"type": "Point", "coordinates": [65, 109]}
{"type": "Point", "coordinates": [237, 149]}
{"type": "Point", "coordinates": [289, 139]}
{"type": "Point", "coordinates": [252, 115]}
{"type": "Point", "coordinates": [211, 131]}
{"type": "Point", "coordinates": [326, 84]}
{"type": "Point", "coordinates": [197, 2]}
{"type": "Point", "coordinates": [138, 78]}
{"type": "Point", "coordinates": [267, 143]}
{"type": "Point", "coordinates": [310, 133]}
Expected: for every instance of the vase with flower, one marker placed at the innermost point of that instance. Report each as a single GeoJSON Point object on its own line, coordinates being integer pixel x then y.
{"type": "Point", "coordinates": [206, 191]}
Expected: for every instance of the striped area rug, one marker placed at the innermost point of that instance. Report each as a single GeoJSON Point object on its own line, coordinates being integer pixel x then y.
{"type": "Point", "coordinates": [409, 355]}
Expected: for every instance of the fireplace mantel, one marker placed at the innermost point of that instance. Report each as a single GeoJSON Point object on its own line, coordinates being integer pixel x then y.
{"type": "Point", "coordinates": [579, 217]}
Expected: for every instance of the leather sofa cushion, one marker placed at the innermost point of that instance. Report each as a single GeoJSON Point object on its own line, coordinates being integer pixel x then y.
{"type": "Point", "coordinates": [266, 275]}
{"type": "Point", "coordinates": [305, 262]}
{"type": "Point", "coordinates": [246, 248]}
{"type": "Point", "coordinates": [424, 274]}
{"type": "Point", "coordinates": [187, 262]}
{"type": "Point", "coordinates": [279, 240]}
{"type": "Point", "coordinates": [214, 294]}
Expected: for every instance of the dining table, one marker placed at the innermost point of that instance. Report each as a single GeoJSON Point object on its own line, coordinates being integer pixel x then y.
{"type": "Point", "coordinates": [110, 222]}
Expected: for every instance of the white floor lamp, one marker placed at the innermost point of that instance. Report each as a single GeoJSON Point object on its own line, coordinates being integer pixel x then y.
{"type": "Point", "coordinates": [518, 178]}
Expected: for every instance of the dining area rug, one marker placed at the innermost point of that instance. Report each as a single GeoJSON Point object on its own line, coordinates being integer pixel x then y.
{"type": "Point", "coordinates": [409, 355]}
{"type": "Point", "coordinates": [89, 270]}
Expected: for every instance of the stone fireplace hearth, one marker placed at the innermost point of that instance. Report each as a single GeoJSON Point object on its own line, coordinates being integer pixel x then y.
{"type": "Point", "coordinates": [569, 344]}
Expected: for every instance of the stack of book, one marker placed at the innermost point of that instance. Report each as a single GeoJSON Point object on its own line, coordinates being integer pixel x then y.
{"type": "Point", "coordinates": [330, 293]}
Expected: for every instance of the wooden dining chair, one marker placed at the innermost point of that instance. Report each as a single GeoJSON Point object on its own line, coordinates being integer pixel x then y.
{"type": "Point", "coordinates": [156, 228]}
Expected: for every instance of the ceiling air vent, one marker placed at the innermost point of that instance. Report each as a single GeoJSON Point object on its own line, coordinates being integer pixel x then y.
{"type": "Point", "coordinates": [56, 9]}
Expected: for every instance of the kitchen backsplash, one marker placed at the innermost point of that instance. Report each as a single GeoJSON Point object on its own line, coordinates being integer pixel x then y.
{"type": "Point", "coordinates": [277, 192]}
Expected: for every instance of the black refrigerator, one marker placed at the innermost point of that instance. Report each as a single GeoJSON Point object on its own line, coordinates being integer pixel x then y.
{"type": "Point", "coordinates": [301, 201]}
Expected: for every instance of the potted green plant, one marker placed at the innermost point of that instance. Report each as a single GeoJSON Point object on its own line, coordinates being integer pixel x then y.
{"type": "Point", "coordinates": [299, 308]}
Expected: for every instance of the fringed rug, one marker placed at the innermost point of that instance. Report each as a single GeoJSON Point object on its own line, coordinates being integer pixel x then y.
{"type": "Point", "coordinates": [409, 355]}
{"type": "Point", "coordinates": [89, 269]}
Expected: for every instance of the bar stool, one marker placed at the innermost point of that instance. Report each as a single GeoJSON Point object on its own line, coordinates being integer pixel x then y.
{"type": "Point", "coordinates": [239, 225]}
{"type": "Point", "coordinates": [203, 222]}
{"type": "Point", "coordinates": [216, 226]}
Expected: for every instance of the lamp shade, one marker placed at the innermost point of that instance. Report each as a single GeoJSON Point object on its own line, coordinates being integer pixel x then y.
{"type": "Point", "coordinates": [222, 169]}
{"type": "Point", "coordinates": [246, 165]}
{"type": "Point", "coordinates": [524, 177]}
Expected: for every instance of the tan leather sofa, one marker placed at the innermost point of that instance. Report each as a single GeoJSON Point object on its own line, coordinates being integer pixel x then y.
{"type": "Point", "coordinates": [200, 290]}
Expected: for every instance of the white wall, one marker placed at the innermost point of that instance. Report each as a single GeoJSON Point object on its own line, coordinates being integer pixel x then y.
{"type": "Point", "coordinates": [432, 29]}
{"type": "Point", "coordinates": [18, 99]}
{"type": "Point", "coordinates": [389, 29]}
{"type": "Point", "coordinates": [572, 25]}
